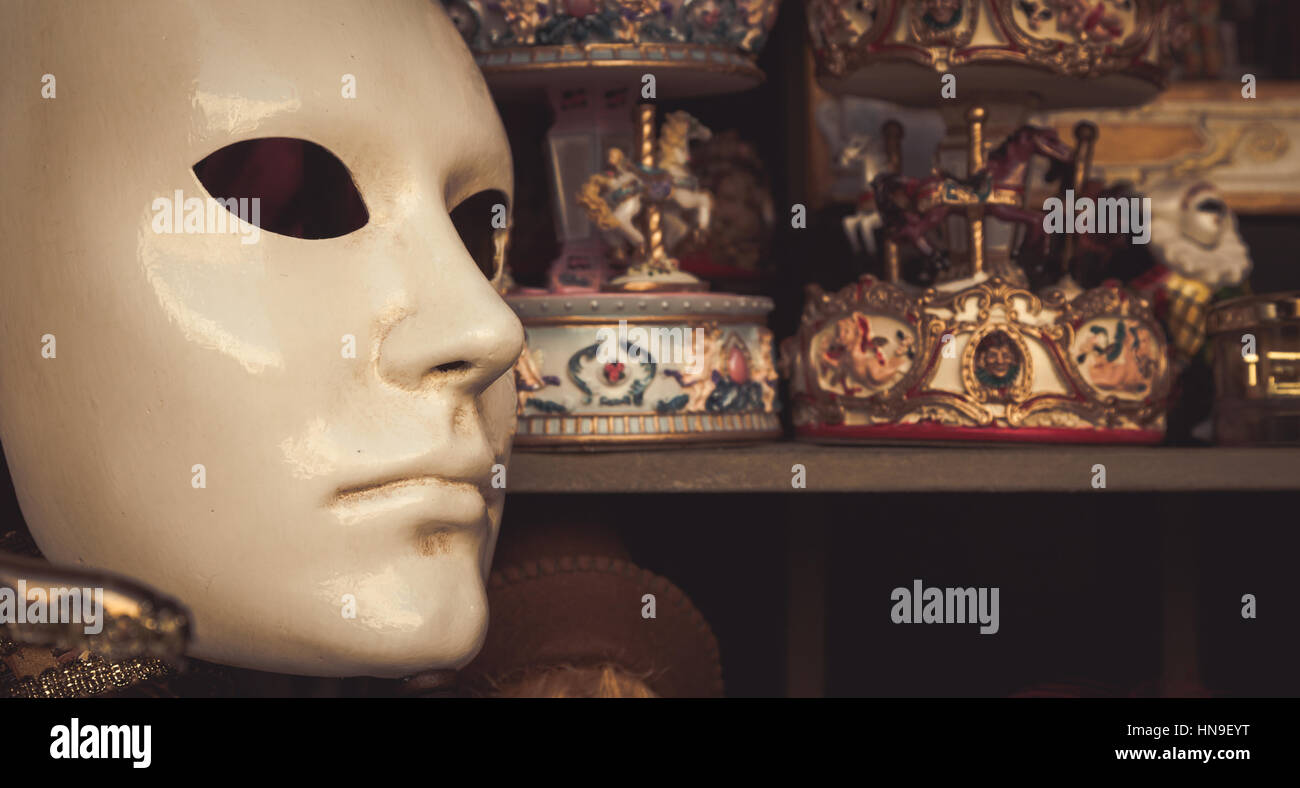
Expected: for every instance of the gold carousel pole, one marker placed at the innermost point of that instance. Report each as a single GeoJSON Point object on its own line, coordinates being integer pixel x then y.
{"type": "Point", "coordinates": [975, 117]}
{"type": "Point", "coordinates": [656, 257]}
{"type": "Point", "coordinates": [1085, 135]}
{"type": "Point", "coordinates": [893, 134]}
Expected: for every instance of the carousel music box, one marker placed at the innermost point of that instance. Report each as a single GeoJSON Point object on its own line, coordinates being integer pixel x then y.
{"type": "Point", "coordinates": [623, 345]}
{"type": "Point", "coordinates": [987, 337]}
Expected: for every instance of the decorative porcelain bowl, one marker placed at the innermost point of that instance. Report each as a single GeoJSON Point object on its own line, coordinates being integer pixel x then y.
{"type": "Point", "coordinates": [604, 369]}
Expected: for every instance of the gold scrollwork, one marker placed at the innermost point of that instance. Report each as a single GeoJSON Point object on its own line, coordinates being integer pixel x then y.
{"type": "Point", "coordinates": [1053, 410]}
{"type": "Point", "coordinates": [1264, 143]}
{"type": "Point", "coordinates": [1093, 44]}
{"type": "Point", "coordinates": [843, 28]}
{"type": "Point", "coordinates": [988, 294]}
{"type": "Point", "coordinates": [1084, 39]}
{"type": "Point", "coordinates": [977, 416]}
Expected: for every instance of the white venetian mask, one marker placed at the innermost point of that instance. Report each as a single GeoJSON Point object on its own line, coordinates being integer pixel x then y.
{"type": "Point", "coordinates": [344, 515]}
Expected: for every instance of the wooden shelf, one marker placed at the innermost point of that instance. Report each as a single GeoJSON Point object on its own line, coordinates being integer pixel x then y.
{"type": "Point", "coordinates": [766, 467]}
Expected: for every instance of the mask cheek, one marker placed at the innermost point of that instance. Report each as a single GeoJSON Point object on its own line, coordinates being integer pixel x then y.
{"type": "Point", "coordinates": [215, 291]}
{"type": "Point", "coordinates": [498, 403]}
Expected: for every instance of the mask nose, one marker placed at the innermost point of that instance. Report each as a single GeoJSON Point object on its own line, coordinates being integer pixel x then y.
{"type": "Point", "coordinates": [457, 333]}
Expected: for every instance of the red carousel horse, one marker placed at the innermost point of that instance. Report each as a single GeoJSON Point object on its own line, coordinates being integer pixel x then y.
{"type": "Point", "coordinates": [912, 207]}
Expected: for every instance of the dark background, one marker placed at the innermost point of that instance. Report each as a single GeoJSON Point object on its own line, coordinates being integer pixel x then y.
{"type": "Point", "coordinates": [1081, 576]}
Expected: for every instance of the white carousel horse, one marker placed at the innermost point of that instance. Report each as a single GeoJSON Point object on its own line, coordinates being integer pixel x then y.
{"type": "Point", "coordinates": [861, 226]}
{"type": "Point", "coordinates": [614, 199]}
{"type": "Point", "coordinates": [675, 138]}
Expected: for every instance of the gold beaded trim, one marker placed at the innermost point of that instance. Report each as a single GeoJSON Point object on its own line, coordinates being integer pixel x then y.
{"type": "Point", "coordinates": [90, 675]}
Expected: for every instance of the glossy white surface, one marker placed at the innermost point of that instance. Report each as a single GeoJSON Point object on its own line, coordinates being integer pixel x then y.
{"type": "Point", "coordinates": [325, 475]}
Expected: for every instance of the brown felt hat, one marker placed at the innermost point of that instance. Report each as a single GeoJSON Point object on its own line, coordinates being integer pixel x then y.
{"type": "Point", "coordinates": [586, 611]}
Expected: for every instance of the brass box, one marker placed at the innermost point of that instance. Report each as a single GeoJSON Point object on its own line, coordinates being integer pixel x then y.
{"type": "Point", "coordinates": [1257, 369]}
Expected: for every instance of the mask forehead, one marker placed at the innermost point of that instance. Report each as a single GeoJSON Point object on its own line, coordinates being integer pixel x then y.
{"type": "Point", "coordinates": [170, 82]}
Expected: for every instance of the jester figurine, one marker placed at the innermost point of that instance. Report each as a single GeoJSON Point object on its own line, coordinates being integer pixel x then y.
{"type": "Point", "coordinates": [1197, 258]}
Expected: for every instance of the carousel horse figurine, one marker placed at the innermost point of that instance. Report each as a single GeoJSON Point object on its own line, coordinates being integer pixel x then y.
{"type": "Point", "coordinates": [860, 227]}
{"type": "Point", "coordinates": [912, 207]}
{"type": "Point", "coordinates": [613, 199]}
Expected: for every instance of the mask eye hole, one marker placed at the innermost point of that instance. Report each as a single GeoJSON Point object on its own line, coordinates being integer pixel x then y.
{"type": "Point", "coordinates": [481, 221]}
{"type": "Point", "coordinates": [303, 189]}
{"type": "Point", "coordinates": [1212, 206]}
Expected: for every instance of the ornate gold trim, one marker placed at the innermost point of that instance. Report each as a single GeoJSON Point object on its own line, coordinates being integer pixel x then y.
{"type": "Point", "coordinates": [640, 319]}
{"type": "Point", "coordinates": [913, 394]}
{"type": "Point", "coordinates": [1252, 311]}
{"type": "Point", "coordinates": [844, 45]}
{"type": "Point", "coordinates": [1083, 58]}
{"type": "Point", "coordinates": [643, 286]}
{"type": "Point", "coordinates": [86, 677]}
{"type": "Point", "coordinates": [753, 425]}
{"type": "Point", "coordinates": [137, 621]}
{"type": "Point", "coordinates": [734, 63]}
